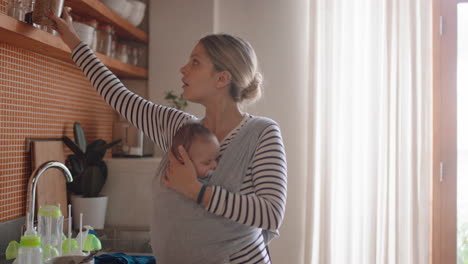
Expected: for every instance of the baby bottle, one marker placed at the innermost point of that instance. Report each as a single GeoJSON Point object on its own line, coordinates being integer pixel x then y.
{"type": "Point", "coordinates": [30, 251]}
{"type": "Point", "coordinates": [50, 227]}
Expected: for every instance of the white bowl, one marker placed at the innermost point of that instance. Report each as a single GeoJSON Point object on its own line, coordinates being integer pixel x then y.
{"type": "Point", "coordinates": [117, 6]}
{"type": "Point", "coordinates": [138, 12]}
{"type": "Point", "coordinates": [126, 12]}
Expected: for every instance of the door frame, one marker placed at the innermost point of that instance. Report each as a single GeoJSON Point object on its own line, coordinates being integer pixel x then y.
{"type": "Point", "coordinates": [444, 183]}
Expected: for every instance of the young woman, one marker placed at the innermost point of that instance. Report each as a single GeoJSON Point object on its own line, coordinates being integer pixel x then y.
{"type": "Point", "coordinates": [244, 202]}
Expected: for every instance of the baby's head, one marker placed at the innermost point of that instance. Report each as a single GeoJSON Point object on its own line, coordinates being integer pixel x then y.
{"type": "Point", "coordinates": [201, 145]}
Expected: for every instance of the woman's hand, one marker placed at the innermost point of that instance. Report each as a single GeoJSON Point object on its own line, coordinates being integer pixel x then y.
{"type": "Point", "coordinates": [65, 29]}
{"type": "Point", "coordinates": [182, 177]}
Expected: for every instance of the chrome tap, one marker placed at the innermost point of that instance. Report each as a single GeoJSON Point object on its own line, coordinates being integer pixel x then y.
{"type": "Point", "coordinates": [35, 178]}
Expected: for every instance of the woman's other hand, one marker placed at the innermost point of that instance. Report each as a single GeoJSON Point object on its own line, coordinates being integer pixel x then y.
{"type": "Point", "coordinates": [65, 29]}
{"type": "Point", "coordinates": [182, 177]}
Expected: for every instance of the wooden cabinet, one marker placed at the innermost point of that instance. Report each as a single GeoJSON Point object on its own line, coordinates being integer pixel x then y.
{"type": "Point", "coordinates": [23, 35]}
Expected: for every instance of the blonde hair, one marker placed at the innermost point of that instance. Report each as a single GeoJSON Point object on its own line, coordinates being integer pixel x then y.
{"type": "Point", "coordinates": [235, 55]}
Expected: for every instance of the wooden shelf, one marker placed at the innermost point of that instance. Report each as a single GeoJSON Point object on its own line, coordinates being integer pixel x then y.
{"type": "Point", "coordinates": [97, 10]}
{"type": "Point", "coordinates": [22, 35]}
{"type": "Point", "coordinates": [121, 69]}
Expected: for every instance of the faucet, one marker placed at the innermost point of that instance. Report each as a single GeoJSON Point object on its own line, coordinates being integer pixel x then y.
{"type": "Point", "coordinates": [35, 178]}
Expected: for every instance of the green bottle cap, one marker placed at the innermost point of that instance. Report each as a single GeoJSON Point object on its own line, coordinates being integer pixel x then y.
{"type": "Point", "coordinates": [50, 210]}
{"type": "Point", "coordinates": [73, 245]}
{"type": "Point", "coordinates": [12, 250]}
{"type": "Point", "coordinates": [92, 243]}
{"type": "Point", "coordinates": [30, 241]}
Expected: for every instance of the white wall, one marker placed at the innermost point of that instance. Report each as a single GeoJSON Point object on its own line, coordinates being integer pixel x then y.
{"type": "Point", "coordinates": [175, 27]}
{"type": "Point", "coordinates": [277, 30]}
{"type": "Point", "coordinates": [128, 187]}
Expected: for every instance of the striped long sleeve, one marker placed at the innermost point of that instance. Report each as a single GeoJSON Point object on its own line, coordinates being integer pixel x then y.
{"type": "Point", "coordinates": [158, 122]}
{"type": "Point", "coordinates": [262, 198]}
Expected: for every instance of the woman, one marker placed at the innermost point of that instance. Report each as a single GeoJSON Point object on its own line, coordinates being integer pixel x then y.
{"type": "Point", "coordinates": [248, 195]}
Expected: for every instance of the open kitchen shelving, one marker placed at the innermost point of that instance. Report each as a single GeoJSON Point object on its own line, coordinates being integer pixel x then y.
{"type": "Point", "coordinates": [23, 35]}
{"type": "Point", "coordinates": [97, 10]}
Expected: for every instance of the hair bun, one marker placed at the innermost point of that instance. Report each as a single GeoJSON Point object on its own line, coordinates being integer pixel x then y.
{"type": "Point", "coordinates": [254, 90]}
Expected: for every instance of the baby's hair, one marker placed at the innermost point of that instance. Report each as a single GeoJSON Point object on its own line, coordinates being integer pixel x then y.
{"type": "Point", "coordinates": [187, 134]}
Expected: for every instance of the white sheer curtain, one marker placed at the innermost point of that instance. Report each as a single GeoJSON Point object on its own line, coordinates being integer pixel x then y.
{"type": "Point", "coordinates": [372, 126]}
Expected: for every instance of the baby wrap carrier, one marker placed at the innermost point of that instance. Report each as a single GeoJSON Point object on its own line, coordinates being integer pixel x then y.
{"type": "Point", "coordinates": [183, 231]}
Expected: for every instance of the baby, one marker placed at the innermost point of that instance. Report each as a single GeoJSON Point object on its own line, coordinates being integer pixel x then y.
{"type": "Point", "coordinates": [201, 145]}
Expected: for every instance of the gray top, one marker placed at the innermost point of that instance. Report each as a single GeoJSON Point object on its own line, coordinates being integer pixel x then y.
{"type": "Point", "coordinates": [183, 231]}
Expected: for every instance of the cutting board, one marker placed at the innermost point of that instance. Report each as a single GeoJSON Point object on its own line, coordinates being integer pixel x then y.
{"type": "Point", "coordinates": [51, 187]}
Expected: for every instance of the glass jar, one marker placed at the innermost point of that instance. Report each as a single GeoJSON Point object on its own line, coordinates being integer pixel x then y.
{"type": "Point", "coordinates": [28, 6]}
{"type": "Point", "coordinates": [44, 7]}
{"type": "Point", "coordinates": [122, 53]}
{"type": "Point", "coordinates": [114, 46]}
{"type": "Point", "coordinates": [94, 24]}
{"type": "Point", "coordinates": [105, 39]}
{"type": "Point", "coordinates": [142, 57]}
{"type": "Point", "coordinates": [84, 31]}
{"type": "Point", "coordinates": [133, 56]}
{"type": "Point", "coordinates": [15, 9]}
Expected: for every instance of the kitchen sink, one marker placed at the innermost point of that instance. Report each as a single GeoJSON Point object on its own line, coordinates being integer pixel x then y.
{"type": "Point", "coordinates": [133, 241]}
{"type": "Point", "coordinates": [129, 240]}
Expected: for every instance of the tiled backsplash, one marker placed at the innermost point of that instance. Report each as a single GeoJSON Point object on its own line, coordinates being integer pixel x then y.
{"type": "Point", "coordinates": [3, 4]}
{"type": "Point", "coordinates": [40, 97]}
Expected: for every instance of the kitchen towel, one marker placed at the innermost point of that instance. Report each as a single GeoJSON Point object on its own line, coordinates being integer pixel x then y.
{"type": "Point", "coordinates": [122, 258]}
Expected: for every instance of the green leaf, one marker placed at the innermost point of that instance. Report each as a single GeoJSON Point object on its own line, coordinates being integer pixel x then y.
{"type": "Point", "coordinates": [176, 101]}
{"type": "Point", "coordinates": [80, 137]}
{"type": "Point", "coordinates": [73, 147]}
{"type": "Point", "coordinates": [93, 179]}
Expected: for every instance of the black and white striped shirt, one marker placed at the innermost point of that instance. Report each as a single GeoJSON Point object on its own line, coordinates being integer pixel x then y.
{"type": "Point", "coordinates": [262, 199]}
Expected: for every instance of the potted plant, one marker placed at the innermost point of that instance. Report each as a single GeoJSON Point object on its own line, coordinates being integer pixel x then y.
{"type": "Point", "coordinates": [89, 176]}
{"type": "Point", "coordinates": [176, 101]}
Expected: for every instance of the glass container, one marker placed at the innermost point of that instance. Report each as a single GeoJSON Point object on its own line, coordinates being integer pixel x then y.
{"type": "Point", "coordinates": [15, 9]}
{"type": "Point", "coordinates": [105, 40]}
{"type": "Point", "coordinates": [44, 7]}
{"type": "Point", "coordinates": [122, 52]}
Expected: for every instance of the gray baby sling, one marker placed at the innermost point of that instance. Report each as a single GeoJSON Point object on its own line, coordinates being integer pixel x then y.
{"type": "Point", "coordinates": [184, 232]}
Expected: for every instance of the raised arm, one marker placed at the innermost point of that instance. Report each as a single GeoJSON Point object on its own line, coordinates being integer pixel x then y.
{"type": "Point", "coordinates": [158, 122]}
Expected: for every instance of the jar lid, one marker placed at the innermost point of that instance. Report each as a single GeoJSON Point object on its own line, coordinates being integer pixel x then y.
{"type": "Point", "coordinates": [107, 27]}
{"type": "Point", "coordinates": [87, 21]}
{"type": "Point", "coordinates": [91, 21]}
{"type": "Point", "coordinates": [30, 241]}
